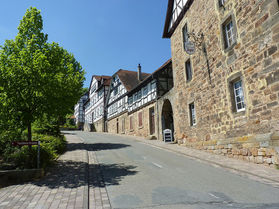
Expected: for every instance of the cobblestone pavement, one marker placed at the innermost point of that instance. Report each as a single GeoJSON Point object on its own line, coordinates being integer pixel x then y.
{"type": "Point", "coordinates": [66, 186]}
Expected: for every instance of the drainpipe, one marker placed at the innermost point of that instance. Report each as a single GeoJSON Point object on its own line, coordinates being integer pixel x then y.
{"type": "Point", "coordinates": [158, 129]}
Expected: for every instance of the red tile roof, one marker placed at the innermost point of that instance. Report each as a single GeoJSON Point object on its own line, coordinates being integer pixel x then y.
{"type": "Point", "coordinates": [130, 78]}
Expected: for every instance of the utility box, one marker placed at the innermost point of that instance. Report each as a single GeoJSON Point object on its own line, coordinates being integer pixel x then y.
{"type": "Point", "coordinates": [167, 133]}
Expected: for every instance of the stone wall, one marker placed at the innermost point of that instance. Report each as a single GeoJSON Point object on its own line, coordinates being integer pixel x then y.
{"type": "Point", "coordinates": [99, 125]}
{"type": "Point", "coordinates": [254, 58]}
{"type": "Point", "coordinates": [144, 129]}
{"type": "Point", "coordinates": [170, 96]}
{"type": "Point", "coordinates": [123, 121]}
{"type": "Point", "coordinates": [122, 127]}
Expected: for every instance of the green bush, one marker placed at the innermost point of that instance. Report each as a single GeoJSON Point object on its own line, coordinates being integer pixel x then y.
{"type": "Point", "coordinates": [50, 148]}
{"type": "Point", "coordinates": [57, 143]}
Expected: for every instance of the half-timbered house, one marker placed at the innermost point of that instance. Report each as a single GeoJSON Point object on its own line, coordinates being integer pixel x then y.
{"type": "Point", "coordinates": [79, 111]}
{"type": "Point", "coordinates": [117, 102]}
{"type": "Point", "coordinates": [143, 106]}
{"type": "Point", "coordinates": [94, 106]}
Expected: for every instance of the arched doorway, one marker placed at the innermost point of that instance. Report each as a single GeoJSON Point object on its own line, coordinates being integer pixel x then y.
{"type": "Point", "coordinates": [167, 116]}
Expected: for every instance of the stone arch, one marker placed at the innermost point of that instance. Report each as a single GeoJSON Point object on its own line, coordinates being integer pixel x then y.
{"type": "Point", "coordinates": [167, 116]}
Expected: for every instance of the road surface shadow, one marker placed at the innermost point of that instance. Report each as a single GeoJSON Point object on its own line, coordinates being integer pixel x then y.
{"type": "Point", "coordinates": [105, 146]}
{"type": "Point", "coordinates": [69, 174]}
{"type": "Point", "coordinates": [73, 174]}
{"type": "Point", "coordinates": [96, 146]}
{"type": "Point", "coordinates": [101, 175]}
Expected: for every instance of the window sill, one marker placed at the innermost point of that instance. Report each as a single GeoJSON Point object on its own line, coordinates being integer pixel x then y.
{"type": "Point", "coordinates": [228, 49]}
{"type": "Point", "coordinates": [239, 113]}
{"type": "Point", "coordinates": [140, 127]}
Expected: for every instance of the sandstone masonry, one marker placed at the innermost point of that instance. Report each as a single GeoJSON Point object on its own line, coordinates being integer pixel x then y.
{"type": "Point", "coordinates": [230, 104]}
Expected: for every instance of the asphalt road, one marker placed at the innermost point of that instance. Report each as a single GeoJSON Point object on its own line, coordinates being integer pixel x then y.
{"type": "Point", "coordinates": [137, 175]}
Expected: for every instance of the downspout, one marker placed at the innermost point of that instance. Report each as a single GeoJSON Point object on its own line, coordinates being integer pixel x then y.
{"type": "Point", "coordinates": [158, 129]}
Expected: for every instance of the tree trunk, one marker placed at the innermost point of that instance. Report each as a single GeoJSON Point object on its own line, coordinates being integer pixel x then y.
{"type": "Point", "coordinates": [29, 135]}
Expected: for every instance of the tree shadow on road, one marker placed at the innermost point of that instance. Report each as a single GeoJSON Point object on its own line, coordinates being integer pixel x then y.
{"type": "Point", "coordinates": [96, 146]}
{"type": "Point", "coordinates": [69, 174]}
{"type": "Point", "coordinates": [102, 175]}
{"type": "Point", "coordinates": [73, 174]}
{"type": "Point", "coordinates": [105, 146]}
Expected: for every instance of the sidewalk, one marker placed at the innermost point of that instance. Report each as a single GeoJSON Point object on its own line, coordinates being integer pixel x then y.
{"type": "Point", "coordinates": [67, 186]}
{"type": "Point", "coordinates": [254, 171]}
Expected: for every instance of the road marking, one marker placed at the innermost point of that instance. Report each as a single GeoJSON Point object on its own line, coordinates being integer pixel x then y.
{"type": "Point", "coordinates": [213, 195]}
{"type": "Point", "coordinates": [157, 165]}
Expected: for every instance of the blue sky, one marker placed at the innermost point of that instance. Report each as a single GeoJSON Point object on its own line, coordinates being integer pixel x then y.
{"type": "Point", "coordinates": [104, 36]}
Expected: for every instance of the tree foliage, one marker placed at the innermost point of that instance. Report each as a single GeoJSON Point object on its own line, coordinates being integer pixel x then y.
{"type": "Point", "coordinates": [36, 77]}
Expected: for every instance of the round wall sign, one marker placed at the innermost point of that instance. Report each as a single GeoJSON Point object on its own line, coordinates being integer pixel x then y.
{"type": "Point", "coordinates": [189, 47]}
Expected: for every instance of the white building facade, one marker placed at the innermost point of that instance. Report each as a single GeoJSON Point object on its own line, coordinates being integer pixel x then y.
{"type": "Point", "coordinates": [94, 107]}
{"type": "Point", "coordinates": [79, 111]}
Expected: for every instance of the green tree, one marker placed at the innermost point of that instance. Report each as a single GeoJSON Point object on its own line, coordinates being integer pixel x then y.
{"type": "Point", "coordinates": [37, 77]}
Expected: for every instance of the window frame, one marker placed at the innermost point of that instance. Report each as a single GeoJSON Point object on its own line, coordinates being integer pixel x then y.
{"type": "Point", "coordinates": [238, 95]}
{"type": "Point", "coordinates": [131, 123]}
{"type": "Point", "coordinates": [226, 43]}
{"type": "Point", "coordinates": [193, 115]}
{"type": "Point", "coordinates": [189, 76]}
{"type": "Point", "coordinates": [145, 91]}
{"type": "Point", "coordinates": [140, 119]}
{"type": "Point", "coordinates": [222, 3]}
{"type": "Point", "coordinates": [185, 36]}
{"type": "Point", "coordinates": [123, 125]}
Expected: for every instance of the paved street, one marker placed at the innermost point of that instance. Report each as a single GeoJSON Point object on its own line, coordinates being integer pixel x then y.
{"type": "Point", "coordinates": [111, 171]}
{"type": "Point", "coordinates": [138, 175]}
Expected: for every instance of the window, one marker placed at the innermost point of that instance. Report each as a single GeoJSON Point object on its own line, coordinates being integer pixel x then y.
{"type": "Point", "coordinates": [238, 96]}
{"type": "Point", "coordinates": [192, 114]}
{"type": "Point", "coordinates": [185, 34]}
{"type": "Point", "coordinates": [115, 91]}
{"type": "Point", "coordinates": [135, 97]}
{"type": "Point", "coordinates": [145, 91]}
{"type": "Point", "coordinates": [131, 123]}
{"type": "Point", "coordinates": [229, 33]}
{"type": "Point", "coordinates": [93, 88]}
{"type": "Point", "coordinates": [222, 2]}
{"type": "Point", "coordinates": [100, 94]}
{"type": "Point", "coordinates": [130, 100]}
{"type": "Point", "coordinates": [188, 70]}
{"type": "Point", "coordinates": [140, 119]}
{"type": "Point", "coordinates": [153, 85]}
{"type": "Point", "coordinates": [139, 95]}
{"type": "Point", "coordinates": [123, 125]}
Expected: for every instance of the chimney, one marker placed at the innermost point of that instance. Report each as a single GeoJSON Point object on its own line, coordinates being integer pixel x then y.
{"type": "Point", "coordinates": [139, 73]}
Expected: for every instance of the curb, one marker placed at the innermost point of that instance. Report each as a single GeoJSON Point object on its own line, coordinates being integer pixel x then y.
{"type": "Point", "coordinates": [145, 141]}
{"type": "Point", "coordinates": [212, 162]}
{"type": "Point", "coordinates": [86, 191]}
{"type": "Point", "coordinates": [11, 177]}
